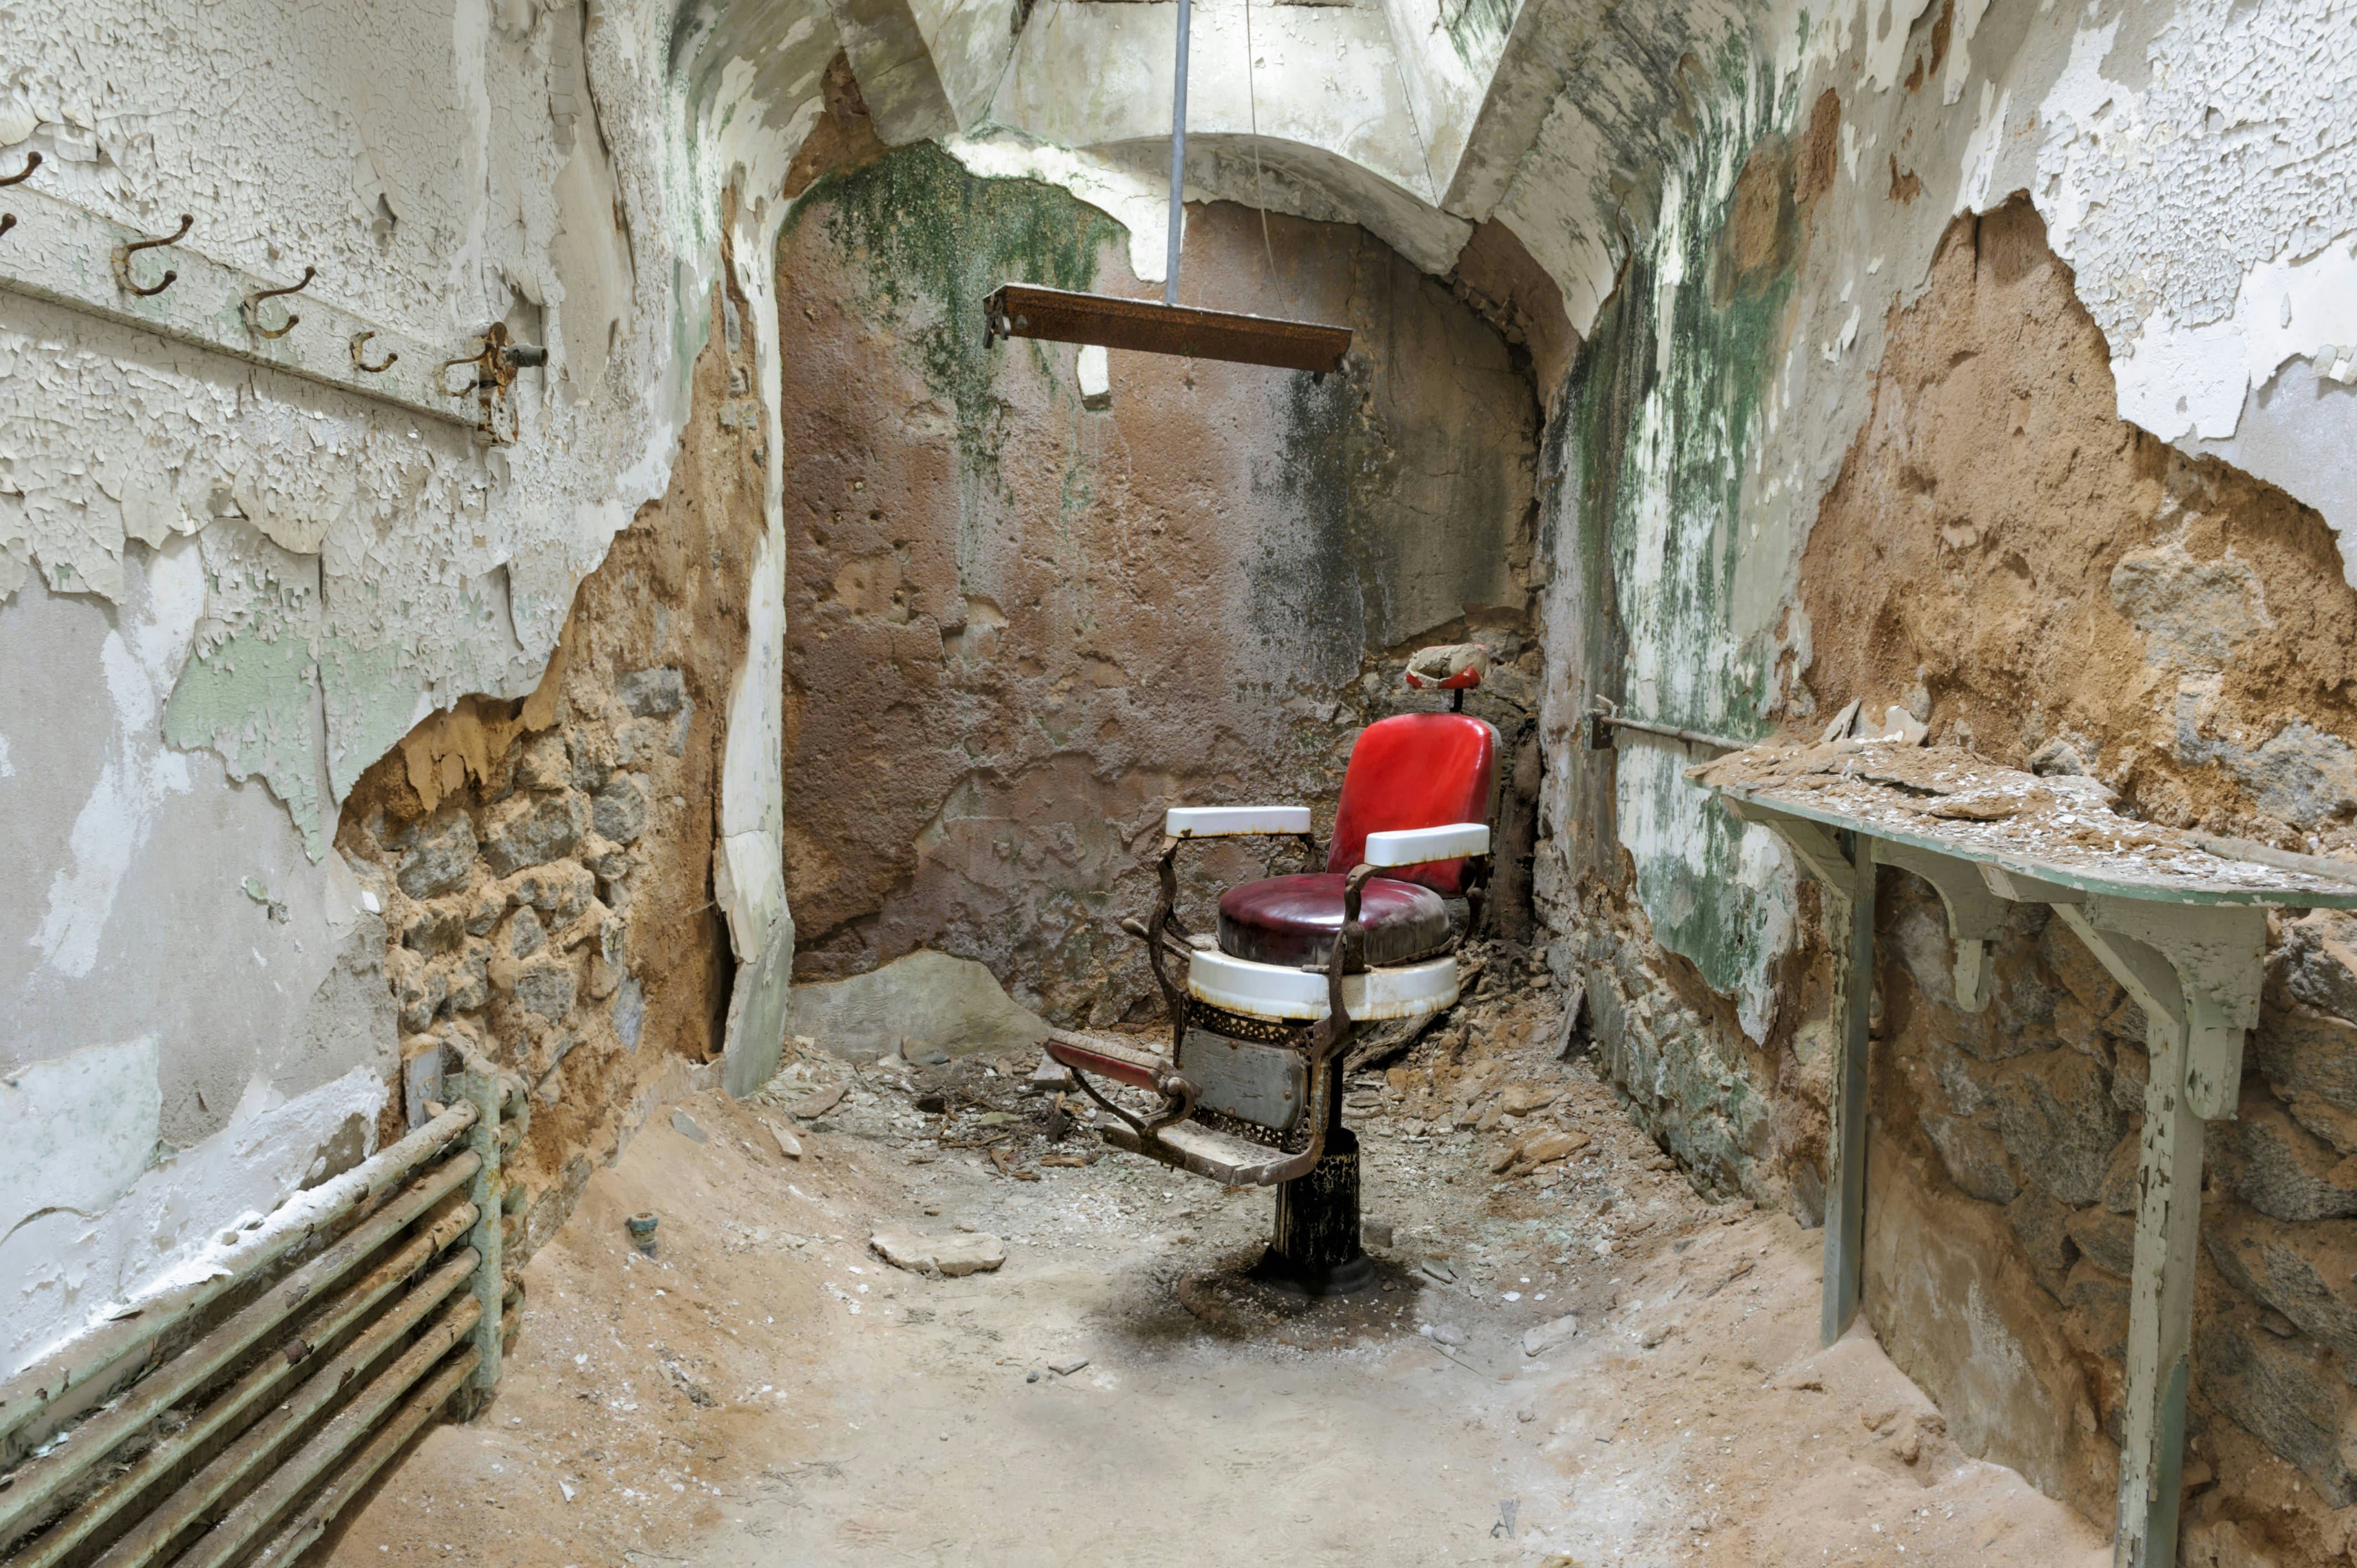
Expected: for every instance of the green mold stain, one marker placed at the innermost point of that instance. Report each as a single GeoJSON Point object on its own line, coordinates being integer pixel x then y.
{"type": "Point", "coordinates": [1668, 417]}
{"type": "Point", "coordinates": [929, 243]}
{"type": "Point", "coordinates": [1478, 29]}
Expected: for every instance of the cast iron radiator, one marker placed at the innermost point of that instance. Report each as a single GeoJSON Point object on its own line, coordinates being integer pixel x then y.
{"type": "Point", "coordinates": [227, 1420]}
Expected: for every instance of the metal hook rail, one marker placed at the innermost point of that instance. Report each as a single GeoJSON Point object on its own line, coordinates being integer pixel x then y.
{"type": "Point", "coordinates": [68, 256]}
{"type": "Point", "coordinates": [32, 162]}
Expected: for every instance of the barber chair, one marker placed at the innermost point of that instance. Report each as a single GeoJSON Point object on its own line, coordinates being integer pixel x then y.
{"type": "Point", "coordinates": [1263, 1009]}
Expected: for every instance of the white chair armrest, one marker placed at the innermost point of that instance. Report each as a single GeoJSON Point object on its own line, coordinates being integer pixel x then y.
{"type": "Point", "coordinates": [1416, 846]}
{"type": "Point", "coordinates": [1222, 821]}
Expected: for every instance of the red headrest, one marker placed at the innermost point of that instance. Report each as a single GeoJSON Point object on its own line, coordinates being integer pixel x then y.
{"type": "Point", "coordinates": [1415, 770]}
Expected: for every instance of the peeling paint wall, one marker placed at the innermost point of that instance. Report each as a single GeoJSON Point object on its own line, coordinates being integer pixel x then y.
{"type": "Point", "coordinates": [225, 591]}
{"type": "Point", "coordinates": [1766, 490]}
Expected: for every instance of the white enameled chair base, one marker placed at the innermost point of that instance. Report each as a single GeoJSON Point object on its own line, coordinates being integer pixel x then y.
{"type": "Point", "coordinates": [1276, 991]}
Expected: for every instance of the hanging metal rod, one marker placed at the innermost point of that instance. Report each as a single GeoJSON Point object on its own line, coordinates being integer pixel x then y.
{"type": "Point", "coordinates": [1178, 158]}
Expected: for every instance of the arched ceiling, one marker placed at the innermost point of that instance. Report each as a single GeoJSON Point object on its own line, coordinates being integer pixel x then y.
{"type": "Point", "coordinates": [1421, 120]}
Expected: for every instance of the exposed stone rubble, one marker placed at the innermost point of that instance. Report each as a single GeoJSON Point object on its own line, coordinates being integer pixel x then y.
{"type": "Point", "coordinates": [544, 866]}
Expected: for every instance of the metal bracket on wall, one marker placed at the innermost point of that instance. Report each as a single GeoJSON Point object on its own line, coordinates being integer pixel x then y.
{"type": "Point", "coordinates": [1976, 916]}
{"type": "Point", "coordinates": [60, 253]}
{"type": "Point", "coordinates": [2189, 946]}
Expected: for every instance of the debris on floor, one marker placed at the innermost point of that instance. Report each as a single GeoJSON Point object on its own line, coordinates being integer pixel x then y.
{"type": "Point", "coordinates": [894, 1317]}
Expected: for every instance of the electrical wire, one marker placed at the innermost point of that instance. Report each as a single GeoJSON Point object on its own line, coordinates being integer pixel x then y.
{"type": "Point", "coordinates": [1407, 102]}
{"type": "Point", "coordinates": [1260, 185]}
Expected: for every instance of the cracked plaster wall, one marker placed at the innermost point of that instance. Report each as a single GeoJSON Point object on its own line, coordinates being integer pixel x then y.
{"type": "Point", "coordinates": [1740, 303]}
{"type": "Point", "coordinates": [224, 592]}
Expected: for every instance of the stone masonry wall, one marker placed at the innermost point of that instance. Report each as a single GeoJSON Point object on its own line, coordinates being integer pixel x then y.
{"type": "Point", "coordinates": [2055, 589]}
{"type": "Point", "coordinates": [546, 866]}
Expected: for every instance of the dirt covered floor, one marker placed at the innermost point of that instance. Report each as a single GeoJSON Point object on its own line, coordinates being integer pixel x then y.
{"type": "Point", "coordinates": [1571, 1359]}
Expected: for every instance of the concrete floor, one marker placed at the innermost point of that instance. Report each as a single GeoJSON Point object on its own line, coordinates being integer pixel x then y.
{"type": "Point", "coordinates": [768, 1392]}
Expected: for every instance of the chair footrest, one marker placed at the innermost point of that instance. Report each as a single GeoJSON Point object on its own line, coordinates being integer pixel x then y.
{"type": "Point", "coordinates": [1115, 1059]}
{"type": "Point", "coordinates": [1236, 1161]}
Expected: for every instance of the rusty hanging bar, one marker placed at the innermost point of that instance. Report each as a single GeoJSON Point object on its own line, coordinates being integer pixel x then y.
{"type": "Point", "coordinates": [1060, 316]}
{"type": "Point", "coordinates": [1025, 310]}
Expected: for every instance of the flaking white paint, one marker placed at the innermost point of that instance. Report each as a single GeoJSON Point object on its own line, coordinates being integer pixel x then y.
{"type": "Point", "coordinates": [68, 1268]}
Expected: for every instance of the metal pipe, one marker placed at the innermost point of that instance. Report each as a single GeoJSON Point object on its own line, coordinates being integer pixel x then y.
{"type": "Point", "coordinates": [305, 1528]}
{"type": "Point", "coordinates": [483, 1089]}
{"type": "Point", "coordinates": [1598, 740]}
{"type": "Point", "coordinates": [2281, 859]}
{"type": "Point", "coordinates": [35, 1485]}
{"type": "Point", "coordinates": [228, 1539]}
{"type": "Point", "coordinates": [36, 1391]}
{"type": "Point", "coordinates": [1178, 160]}
{"type": "Point", "coordinates": [255, 1447]}
{"type": "Point", "coordinates": [91, 1516]}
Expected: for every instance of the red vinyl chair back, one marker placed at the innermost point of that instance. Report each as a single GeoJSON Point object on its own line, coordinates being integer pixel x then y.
{"type": "Point", "coordinates": [1415, 770]}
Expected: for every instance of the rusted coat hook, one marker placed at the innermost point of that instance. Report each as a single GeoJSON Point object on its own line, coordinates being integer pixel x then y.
{"type": "Point", "coordinates": [359, 342]}
{"type": "Point", "coordinates": [123, 254]}
{"type": "Point", "coordinates": [32, 162]}
{"type": "Point", "coordinates": [253, 306]}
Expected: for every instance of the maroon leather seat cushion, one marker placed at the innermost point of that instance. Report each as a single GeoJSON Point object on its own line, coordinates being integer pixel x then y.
{"type": "Point", "coordinates": [1293, 919]}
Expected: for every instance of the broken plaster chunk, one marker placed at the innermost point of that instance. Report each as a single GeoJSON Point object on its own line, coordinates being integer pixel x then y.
{"type": "Point", "coordinates": [978, 1252]}
{"type": "Point", "coordinates": [1538, 1149]}
{"type": "Point", "coordinates": [2058, 760]}
{"type": "Point", "coordinates": [1540, 1340]}
{"type": "Point", "coordinates": [1902, 726]}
